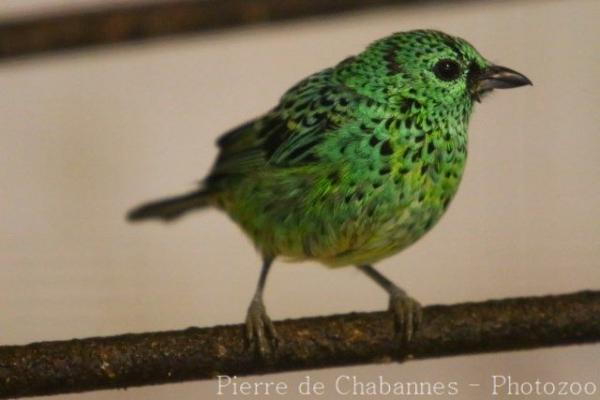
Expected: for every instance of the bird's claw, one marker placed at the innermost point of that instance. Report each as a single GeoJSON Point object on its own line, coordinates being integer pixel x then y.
{"type": "Point", "coordinates": [260, 331]}
{"type": "Point", "coordinates": [407, 316]}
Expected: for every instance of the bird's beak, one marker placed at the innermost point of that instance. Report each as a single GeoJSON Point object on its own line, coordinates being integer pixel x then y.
{"type": "Point", "coordinates": [496, 77]}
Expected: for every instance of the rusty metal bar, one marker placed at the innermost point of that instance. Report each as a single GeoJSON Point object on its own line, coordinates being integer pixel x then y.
{"type": "Point", "coordinates": [308, 343]}
{"type": "Point", "coordinates": [52, 33]}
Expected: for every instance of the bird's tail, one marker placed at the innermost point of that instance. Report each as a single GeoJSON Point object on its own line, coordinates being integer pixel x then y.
{"type": "Point", "coordinates": [171, 208]}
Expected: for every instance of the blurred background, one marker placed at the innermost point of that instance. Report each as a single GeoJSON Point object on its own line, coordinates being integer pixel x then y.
{"type": "Point", "coordinates": [86, 135]}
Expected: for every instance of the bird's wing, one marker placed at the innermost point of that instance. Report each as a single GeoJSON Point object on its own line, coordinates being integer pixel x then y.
{"type": "Point", "coordinates": [290, 134]}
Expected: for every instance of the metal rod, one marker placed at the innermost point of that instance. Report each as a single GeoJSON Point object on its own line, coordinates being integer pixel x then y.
{"type": "Point", "coordinates": [308, 343]}
{"type": "Point", "coordinates": [121, 24]}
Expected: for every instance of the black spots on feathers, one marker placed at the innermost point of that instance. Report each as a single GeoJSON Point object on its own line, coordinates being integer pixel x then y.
{"type": "Point", "coordinates": [384, 170]}
{"type": "Point", "coordinates": [431, 147]}
{"type": "Point", "coordinates": [408, 104]}
{"type": "Point", "coordinates": [386, 148]}
{"type": "Point", "coordinates": [390, 57]}
{"type": "Point", "coordinates": [275, 138]}
{"type": "Point", "coordinates": [334, 177]}
{"type": "Point", "coordinates": [373, 141]}
{"type": "Point", "coordinates": [420, 137]}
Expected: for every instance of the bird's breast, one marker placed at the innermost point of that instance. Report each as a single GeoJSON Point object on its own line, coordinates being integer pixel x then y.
{"type": "Point", "coordinates": [421, 177]}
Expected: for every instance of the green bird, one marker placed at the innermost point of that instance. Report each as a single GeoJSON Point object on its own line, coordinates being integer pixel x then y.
{"type": "Point", "coordinates": [354, 164]}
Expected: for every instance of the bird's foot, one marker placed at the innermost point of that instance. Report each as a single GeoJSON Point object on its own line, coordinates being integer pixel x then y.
{"type": "Point", "coordinates": [407, 315]}
{"type": "Point", "coordinates": [260, 331]}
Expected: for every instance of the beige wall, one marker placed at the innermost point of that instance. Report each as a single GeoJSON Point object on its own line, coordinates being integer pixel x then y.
{"type": "Point", "coordinates": [88, 135]}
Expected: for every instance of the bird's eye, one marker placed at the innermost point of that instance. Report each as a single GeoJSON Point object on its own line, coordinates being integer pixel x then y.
{"type": "Point", "coordinates": [447, 70]}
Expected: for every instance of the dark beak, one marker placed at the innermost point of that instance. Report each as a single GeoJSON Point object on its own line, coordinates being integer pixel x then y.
{"type": "Point", "coordinates": [496, 77]}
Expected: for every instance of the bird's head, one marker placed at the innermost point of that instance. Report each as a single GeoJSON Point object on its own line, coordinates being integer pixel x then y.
{"type": "Point", "coordinates": [437, 69]}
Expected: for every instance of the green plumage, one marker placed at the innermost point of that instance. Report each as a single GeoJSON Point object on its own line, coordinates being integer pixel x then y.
{"type": "Point", "coordinates": [355, 163]}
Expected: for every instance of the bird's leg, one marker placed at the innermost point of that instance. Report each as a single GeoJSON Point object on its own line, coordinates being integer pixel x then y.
{"type": "Point", "coordinates": [259, 328]}
{"type": "Point", "coordinates": [407, 311]}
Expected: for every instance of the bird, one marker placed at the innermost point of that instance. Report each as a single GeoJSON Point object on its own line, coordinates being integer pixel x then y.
{"type": "Point", "coordinates": [355, 163]}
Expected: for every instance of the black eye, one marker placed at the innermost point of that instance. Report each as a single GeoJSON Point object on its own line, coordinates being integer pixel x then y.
{"type": "Point", "coordinates": [447, 70]}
